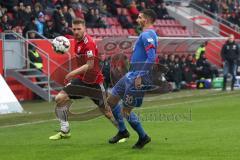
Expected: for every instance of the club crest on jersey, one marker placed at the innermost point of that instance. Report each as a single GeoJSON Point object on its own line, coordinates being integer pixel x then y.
{"type": "Point", "coordinates": [89, 54]}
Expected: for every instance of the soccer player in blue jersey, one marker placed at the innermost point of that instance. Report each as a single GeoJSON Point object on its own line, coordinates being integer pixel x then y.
{"type": "Point", "coordinates": [131, 88]}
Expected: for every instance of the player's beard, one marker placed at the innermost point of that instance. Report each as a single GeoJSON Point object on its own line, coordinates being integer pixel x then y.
{"type": "Point", "coordinates": [79, 37]}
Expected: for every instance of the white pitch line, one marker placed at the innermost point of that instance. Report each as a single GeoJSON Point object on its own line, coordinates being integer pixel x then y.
{"type": "Point", "coordinates": [27, 123]}
{"type": "Point", "coordinates": [146, 108]}
{"type": "Point", "coordinates": [189, 102]}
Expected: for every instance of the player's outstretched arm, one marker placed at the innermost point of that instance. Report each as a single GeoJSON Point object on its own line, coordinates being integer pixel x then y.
{"type": "Point", "coordinates": [81, 70]}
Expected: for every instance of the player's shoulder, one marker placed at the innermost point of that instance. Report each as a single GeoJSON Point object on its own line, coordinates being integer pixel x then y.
{"type": "Point", "coordinates": [148, 33]}
{"type": "Point", "coordinates": [88, 40]}
{"type": "Point", "coordinates": [149, 36]}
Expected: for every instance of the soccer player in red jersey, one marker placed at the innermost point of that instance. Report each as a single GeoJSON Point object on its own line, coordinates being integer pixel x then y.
{"type": "Point", "coordinates": [86, 80]}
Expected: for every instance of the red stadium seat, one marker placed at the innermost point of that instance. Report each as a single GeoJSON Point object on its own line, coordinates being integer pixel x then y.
{"type": "Point", "coordinates": [102, 32]}
{"type": "Point", "coordinates": [115, 22]}
{"type": "Point", "coordinates": [96, 32]}
{"type": "Point", "coordinates": [132, 32]}
{"type": "Point", "coordinates": [114, 32]}
{"type": "Point", "coordinates": [125, 32]}
{"type": "Point", "coordinates": [89, 31]}
{"type": "Point", "coordinates": [120, 31]}
{"type": "Point", "coordinates": [109, 21]}
{"type": "Point", "coordinates": [108, 32]}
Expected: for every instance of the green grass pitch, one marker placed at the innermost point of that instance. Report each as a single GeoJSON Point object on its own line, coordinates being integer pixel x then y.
{"type": "Point", "coordinates": [188, 125]}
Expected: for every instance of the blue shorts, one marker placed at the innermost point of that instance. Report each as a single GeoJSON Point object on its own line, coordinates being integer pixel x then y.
{"type": "Point", "coordinates": [125, 89]}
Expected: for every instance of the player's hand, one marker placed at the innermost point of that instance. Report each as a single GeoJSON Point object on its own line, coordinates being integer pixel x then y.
{"type": "Point", "coordinates": [138, 83]}
{"type": "Point", "coordinates": [65, 81]}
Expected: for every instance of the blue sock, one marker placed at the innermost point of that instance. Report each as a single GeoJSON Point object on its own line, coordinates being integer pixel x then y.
{"type": "Point", "coordinates": [133, 120]}
{"type": "Point", "coordinates": [119, 118]}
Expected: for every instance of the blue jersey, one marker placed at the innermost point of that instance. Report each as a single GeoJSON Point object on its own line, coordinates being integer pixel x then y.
{"type": "Point", "coordinates": [143, 57]}
{"type": "Point", "coordinates": [144, 53]}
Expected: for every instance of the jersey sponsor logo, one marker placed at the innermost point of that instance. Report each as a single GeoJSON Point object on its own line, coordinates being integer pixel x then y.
{"type": "Point", "coordinates": [150, 40]}
{"type": "Point", "coordinates": [79, 49]}
{"type": "Point", "coordinates": [89, 54]}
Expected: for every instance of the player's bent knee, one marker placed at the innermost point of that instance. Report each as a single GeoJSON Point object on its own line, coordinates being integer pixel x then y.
{"type": "Point", "coordinates": [126, 112]}
{"type": "Point", "coordinates": [61, 98]}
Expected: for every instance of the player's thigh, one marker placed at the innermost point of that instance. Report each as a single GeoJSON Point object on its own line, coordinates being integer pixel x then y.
{"type": "Point", "coordinates": [119, 88]}
{"type": "Point", "coordinates": [126, 111]}
{"type": "Point", "coordinates": [133, 97]}
{"type": "Point", "coordinates": [71, 89]}
{"type": "Point", "coordinates": [99, 95]}
{"type": "Point", "coordinates": [112, 100]}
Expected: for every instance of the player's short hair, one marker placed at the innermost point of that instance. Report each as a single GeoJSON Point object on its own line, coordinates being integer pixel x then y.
{"type": "Point", "coordinates": [77, 21]}
{"type": "Point", "coordinates": [149, 13]}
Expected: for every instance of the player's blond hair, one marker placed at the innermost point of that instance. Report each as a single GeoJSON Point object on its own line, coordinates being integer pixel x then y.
{"type": "Point", "coordinates": [79, 21]}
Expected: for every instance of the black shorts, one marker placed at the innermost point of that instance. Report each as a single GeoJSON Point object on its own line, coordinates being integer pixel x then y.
{"type": "Point", "coordinates": [78, 89]}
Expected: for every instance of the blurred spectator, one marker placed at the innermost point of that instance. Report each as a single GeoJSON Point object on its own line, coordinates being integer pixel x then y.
{"type": "Point", "coordinates": [94, 19]}
{"type": "Point", "coordinates": [91, 18]}
{"type": "Point", "coordinates": [170, 74]}
{"type": "Point", "coordinates": [67, 15]}
{"type": "Point", "coordinates": [5, 23]}
{"type": "Point", "coordinates": [164, 60]}
{"type": "Point", "coordinates": [102, 8]}
{"type": "Point", "coordinates": [91, 4]}
{"type": "Point", "coordinates": [234, 19]}
{"type": "Point", "coordinates": [132, 9]}
{"type": "Point", "coordinates": [40, 23]}
{"type": "Point", "coordinates": [32, 35]}
{"type": "Point", "coordinates": [61, 3]}
{"type": "Point", "coordinates": [21, 12]}
{"type": "Point", "coordinates": [203, 68]}
{"type": "Point", "coordinates": [189, 69]}
{"type": "Point", "coordinates": [16, 15]}
{"type": "Point", "coordinates": [73, 15]}
{"type": "Point", "coordinates": [37, 9]}
{"type": "Point", "coordinates": [36, 62]}
{"type": "Point", "coordinates": [123, 20]}
{"type": "Point", "coordinates": [201, 50]}
{"type": "Point", "coordinates": [2, 11]}
{"type": "Point", "coordinates": [214, 6]}
{"type": "Point", "coordinates": [30, 26]}
{"type": "Point", "coordinates": [8, 4]}
{"type": "Point", "coordinates": [58, 17]}
{"type": "Point", "coordinates": [82, 6]}
{"type": "Point", "coordinates": [27, 14]}
{"type": "Point", "coordinates": [61, 27]}
{"type": "Point", "coordinates": [112, 6]}
{"type": "Point", "coordinates": [161, 11]}
{"type": "Point", "coordinates": [27, 2]}
{"type": "Point", "coordinates": [35, 58]}
{"type": "Point", "coordinates": [177, 73]}
{"type": "Point", "coordinates": [141, 6]}
{"type": "Point", "coordinates": [43, 3]}
{"type": "Point", "coordinates": [49, 30]}
{"type": "Point", "coordinates": [227, 9]}
{"type": "Point", "coordinates": [99, 22]}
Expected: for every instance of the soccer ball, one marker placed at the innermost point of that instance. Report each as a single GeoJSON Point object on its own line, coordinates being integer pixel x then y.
{"type": "Point", "coordinates": [61, 44]}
